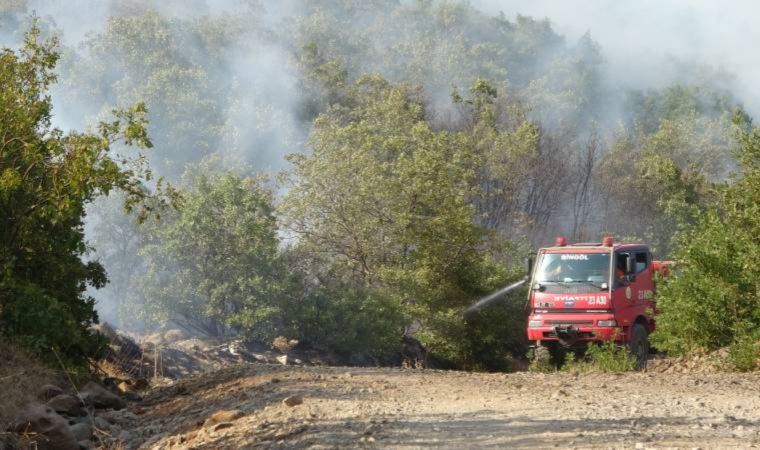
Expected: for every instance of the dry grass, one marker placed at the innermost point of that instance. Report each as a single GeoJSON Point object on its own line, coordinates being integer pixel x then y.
{"type": "Point", "coordinates": [21, 378]}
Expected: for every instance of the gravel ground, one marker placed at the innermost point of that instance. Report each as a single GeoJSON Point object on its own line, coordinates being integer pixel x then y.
{"type": "Point", "coordinates": [248, 407]}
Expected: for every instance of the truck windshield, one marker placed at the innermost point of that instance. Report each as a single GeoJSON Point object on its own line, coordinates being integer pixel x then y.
{"type": "Point", "coordinates": [573, 267]}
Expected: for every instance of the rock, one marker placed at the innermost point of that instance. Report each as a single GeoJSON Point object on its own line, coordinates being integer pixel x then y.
{"type": "Point", "coordinates": [86, 444]}
{"type": "Point", "coordinates": [293, 400]}
{"type": "Point", "coordinates": [123, 387]}
{"type": "Point", "coordinates": [107, 330]}
{"type": "Point", "coordinates": [97, 396]}
{"type": "Point", "coordinates": [284, 344]}
{"type": "Point", "coordinates": [46, 430]}
{"type": "Point", "coordinates": [67, 404]}
{"type": "Point", "coordinates": [174, 335]}
{"type": "Point", "coordinates": [152, 341]}
{"type": "Point", "coordinates": [101, 424]}
{"type": "Point", "coordinates": [132, 396]}
{"type": "Point", "coordinates": [82, 431]}
{"type": "Point", "coordinates": [140, 384]}
{"type": "Point", "coordinates": [559, 393]}
{"type": "Point", "coordinates": [49, 391]}
{"type": "Point", "coordinates": [223, 416]}
{"type": "Point", "coordinates": [282, 359]}
{"type": "Point", "coordinates": [236, 348]}
{"type": "Point", "coordinates": [126, 391]}
{"type": "Point", "coordinates": [125, 437]}
{"type": "Point", "coordinates": [223, 425]}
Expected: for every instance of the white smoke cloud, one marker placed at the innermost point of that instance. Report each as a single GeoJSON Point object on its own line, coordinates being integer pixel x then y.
{"type": "Point", "coordinates": [639, 38]}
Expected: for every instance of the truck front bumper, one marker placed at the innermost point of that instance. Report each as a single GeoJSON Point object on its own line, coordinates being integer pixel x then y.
{"type": "Point", "coordinates": [561, 327]}
{"type": "Point", "coordinates": [581, 333]}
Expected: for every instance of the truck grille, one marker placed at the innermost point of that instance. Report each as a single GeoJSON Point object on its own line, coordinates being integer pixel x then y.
{"type": "Point", "coordinates": [581, 335]}
{"type": "Point", "coordinates": [569, 322]}
{"type": "Point", "coordinates": [581, 288]}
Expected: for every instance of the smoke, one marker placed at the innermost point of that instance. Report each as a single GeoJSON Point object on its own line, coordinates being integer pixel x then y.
{"type": "Point", "coordinates": [250, 87]}
{"type": "Point", "coordinates": [652, 44]}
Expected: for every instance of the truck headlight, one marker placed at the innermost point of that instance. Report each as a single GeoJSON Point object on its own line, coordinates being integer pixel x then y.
{"type": "Point", "coordinates": [534, 323]}
{"type": "Point", "coordinates": [607, 323]}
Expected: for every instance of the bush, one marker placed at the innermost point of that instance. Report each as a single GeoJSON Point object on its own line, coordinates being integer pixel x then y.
{"type": "Point", "coordinates": [607, 356]}
{"type": "Point", "coordinates": [713, 298]}
{"type": "Point", "coordinates": [47, 180]}
{"type": "Point", "coordinates": [54, 331]}
{"type": "Point", "coordinates": [540, 361]}
{"type": "Point", "coordinates": [744, 353]}
{"type": "Point", "coordinates": [213, 262]}
{"type": "Point", "coordinates": [347, 320]}
{"type": "Point", "coordinates": [703, 305]}
{"type": "Point", "coordinates": [489, 340]}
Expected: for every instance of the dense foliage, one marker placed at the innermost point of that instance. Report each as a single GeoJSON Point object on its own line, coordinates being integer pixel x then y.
{"type": "Point", "coordinates": [391, 198]}
{"type": "Point", "coordinates": [46, 180]}
{"type": "Point", "coordinates": [213, 261]}
{"type": "Point", "coordinates": [431, 148]}
{"type": "Point", "coordinates": [714, 299]}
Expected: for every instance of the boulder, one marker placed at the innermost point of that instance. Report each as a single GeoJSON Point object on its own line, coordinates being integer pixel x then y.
{"type": "Point", "coordinates": [224, 416]}
{"type": "Point", "coordinates": [42, 428]}
{"type": "Point", "coordinates": [101, 424]}
{"type": "Point", "coordinates": [49, 391]}
{"type": "Point", "coordinates": [68, 405]}
{"type": "Point", "coordinates": [153, 340]}
{"type": "Point", "coordinates": [125, 437]}
{"type": "Point", "coordinates": [107, 330]}
{"type": "Point", "coordinates": [174, 335]}
{"type": "Point", "coordinates": [140, 384]}
{"type": "Point", "coordinates": [293, 400]}
{"type": "Point", "coordinates": [284, 344]}
{"type": "Point", "coordinates": [82, 431]}
{"type": "Point", "coordinates": [128, 392]}
{"type": "Point", "coordinates": [97, 396]}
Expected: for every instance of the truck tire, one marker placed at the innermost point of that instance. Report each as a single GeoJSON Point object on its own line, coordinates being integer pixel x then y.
{"type": "Point", "coordinates": [639, 346]}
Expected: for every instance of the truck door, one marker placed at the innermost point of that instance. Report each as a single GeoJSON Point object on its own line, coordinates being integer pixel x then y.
{"type": "Point", "coordinates": [626, 288]}
{"type": "Point", "coordinates": [644, 283]}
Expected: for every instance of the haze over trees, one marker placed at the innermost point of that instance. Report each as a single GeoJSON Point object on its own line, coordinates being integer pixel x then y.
{"type": "Point", "coordinates": [349, 172]}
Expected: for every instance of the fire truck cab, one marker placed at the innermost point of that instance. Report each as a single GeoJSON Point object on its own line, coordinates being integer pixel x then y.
{"type": "Point", "coordinates": [590, 292]}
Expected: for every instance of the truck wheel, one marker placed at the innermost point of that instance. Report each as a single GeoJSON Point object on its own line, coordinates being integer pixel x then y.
{"type": "Point", "coordinates": [639, 346]}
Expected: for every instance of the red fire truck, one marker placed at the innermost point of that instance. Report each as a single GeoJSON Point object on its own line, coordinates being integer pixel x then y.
{"type": "Point", "coordinates": [588, 292]}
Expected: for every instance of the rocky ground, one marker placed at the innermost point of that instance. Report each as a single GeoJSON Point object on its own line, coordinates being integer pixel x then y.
{"type": "Point", "coordinates": [226, 395]}
{"type": "Point", "coordinates": [262, 406]}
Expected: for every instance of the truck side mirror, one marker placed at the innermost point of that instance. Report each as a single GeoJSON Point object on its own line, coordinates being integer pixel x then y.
{"type": "Point", "coordinates": [529, 265]}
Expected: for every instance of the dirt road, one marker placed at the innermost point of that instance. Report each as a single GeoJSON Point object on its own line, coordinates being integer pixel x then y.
{"type": "Point", "coordinates": [394, 408]}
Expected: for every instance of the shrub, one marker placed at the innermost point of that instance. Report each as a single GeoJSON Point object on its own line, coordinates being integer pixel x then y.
{"type": "Point", "coordinates": [47, 179]}
{"type": "Point", "coordinates": [347, 320]}
{"type": "Point", "coordinates": [606, 356]}
{"type": "Point", "coordinates": [744, 353]}
{"type": "Point", "coordinates": [713, 298]}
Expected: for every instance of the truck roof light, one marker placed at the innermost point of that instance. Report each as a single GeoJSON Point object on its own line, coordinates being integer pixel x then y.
{"type": "Point", "coordinates": [560, 241]}
{"type": "Point", "coordinates": [608, 240]}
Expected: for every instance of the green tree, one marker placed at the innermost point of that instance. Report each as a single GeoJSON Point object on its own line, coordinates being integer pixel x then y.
{"type": "Point", "coordinates": [47, 178]}
{"type": "Point", "coordinates": [213, 262]}
{"type": "Point", "coordinates": [714, 298]}
{"type": "Point", "coordinates": [389, 197]}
